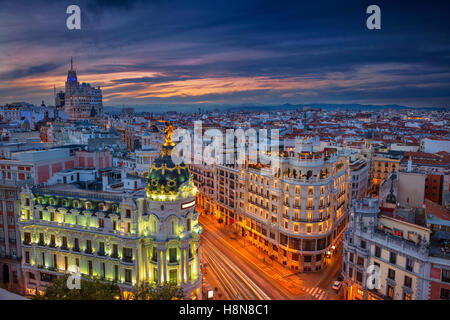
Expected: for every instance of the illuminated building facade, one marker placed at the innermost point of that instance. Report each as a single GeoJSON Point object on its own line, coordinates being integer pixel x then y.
{"type": "Point", "coordinates": [391, 242]}
{"type": "Point", "coordinates": [295, 211]}
{"type": "Point", "coordinates": [81, 100]}
{"type": "Point", "coordinates": [131, 238]}
{"type": "Point", "coordinates": [382, 169]}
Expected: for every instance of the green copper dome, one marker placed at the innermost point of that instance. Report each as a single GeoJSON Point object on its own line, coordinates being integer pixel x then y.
{"type": "Point", "coordinates": [167, 178]}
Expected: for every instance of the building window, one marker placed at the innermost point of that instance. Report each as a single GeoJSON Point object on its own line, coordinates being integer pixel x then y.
{"type": "Point", "coordinates": [52, 240]}
{"type": "Point", "coordinates": [390, 292]}
{"type": "Point", "coordinates": [128, 254]}
{"type": "Point", "coordinates": [103, 270]}
{"type": "Point", "coordinates": [27, 238]}
{"type": "Point", "coordinates": [445, 275]}
{"type": "Point", "coordinates": [64, 243]}
{"type": "Point", "coordinates": [88, 246]}
{"type": "Point", "coordinates": [172, 255]}
{"type": "Point", "coordinates": [350, 257]}
{"type": "Point", "coordinates": [445, 294]}
{"type": "Point", "coordinates": [391, 274]}
{"type": "Point", "coordinates": [363, 244]}
{"type": "Point", "coordinates": [393, 258]}
{"type": "Point", "coordinates": [406, 296]}
{"type": "Point", "coordinates": [128, 275]}
{"type": "Point", "coordinates": [116, 273]}
{"type": "Point", "coordinates": [408, 282]}
{"type": "Point", "coordinates": [377, 252]}
{"type": "Point", "coordinates": [359, 277]}
{"type": "Point", "coordinates": [409, 264]}
{"type": "Point", "coordinates": [101, 223]}
{"type": "Point", "coordinates": [173, 276]}
{"type": "Point", "coordinates": [41, 239]}
{"type": "Point", "coordinates": [360, 262]}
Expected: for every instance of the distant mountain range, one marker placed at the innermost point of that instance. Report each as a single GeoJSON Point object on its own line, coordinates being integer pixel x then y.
{"type": "Point", "coordinates": [256, 107]}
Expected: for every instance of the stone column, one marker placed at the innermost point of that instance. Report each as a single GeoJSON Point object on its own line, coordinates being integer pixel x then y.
{"type": "Point", "coordinates": [187, 266]}
{"type": "Point", "coordinates": [182, 264]}
{"type": "Point", "coordinates": [158, 250]}
{"type": "Point", "coordinates": [146, 263]}
{"type": "Point", "coordinates": [165, 263]}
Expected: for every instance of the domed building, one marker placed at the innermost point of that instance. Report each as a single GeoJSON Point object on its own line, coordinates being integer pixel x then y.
{"type": "Point", "coordinates": [171, 210]}
{"type": "Point", "coordinates": [149, 236]}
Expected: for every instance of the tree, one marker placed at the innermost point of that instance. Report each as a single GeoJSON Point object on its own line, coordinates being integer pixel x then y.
{"type": "Point", "coordinates": [166, 291]}
{"type": "Point", "coordinates": [89, 290]}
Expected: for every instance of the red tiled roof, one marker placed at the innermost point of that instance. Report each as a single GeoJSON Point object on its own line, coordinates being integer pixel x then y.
{"type": "Point", "coordinates": [437, 210]}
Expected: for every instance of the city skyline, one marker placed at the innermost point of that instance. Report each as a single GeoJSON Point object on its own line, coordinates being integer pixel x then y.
{"type": "Point", "coordinates": [223, 53]}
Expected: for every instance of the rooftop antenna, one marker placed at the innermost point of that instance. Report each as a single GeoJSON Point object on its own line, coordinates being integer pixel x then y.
{"type": "Point", "coordinates": [71, 63]}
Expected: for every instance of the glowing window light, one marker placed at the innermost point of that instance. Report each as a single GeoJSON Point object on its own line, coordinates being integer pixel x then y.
{"type": "Point", "coordinates": [187, 204]}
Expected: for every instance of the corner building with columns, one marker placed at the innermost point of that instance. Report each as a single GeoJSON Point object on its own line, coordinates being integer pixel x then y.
{"type": "Point", "coordinates": [148, 236]}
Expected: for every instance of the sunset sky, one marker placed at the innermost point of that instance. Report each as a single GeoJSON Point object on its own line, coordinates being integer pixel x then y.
{"type": "Point", "coordinates": [229, 52]}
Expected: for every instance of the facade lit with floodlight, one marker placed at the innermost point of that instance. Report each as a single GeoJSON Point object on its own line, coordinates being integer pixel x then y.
{"type": "Point", "coordinates": [150, 235]}
{"type": "Point", "coordinates": [295, 210]}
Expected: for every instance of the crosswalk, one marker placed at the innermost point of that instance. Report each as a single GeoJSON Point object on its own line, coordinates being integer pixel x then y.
{"type": "Point", "coordinates": [317, 293]}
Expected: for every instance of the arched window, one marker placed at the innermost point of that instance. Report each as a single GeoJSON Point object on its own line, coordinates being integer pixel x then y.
{"type": "Point", "coordinates": [172, 227]}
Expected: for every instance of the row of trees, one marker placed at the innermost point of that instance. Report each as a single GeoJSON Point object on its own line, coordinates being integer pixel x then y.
{"type": "Point", "coordinates": [102, 290]}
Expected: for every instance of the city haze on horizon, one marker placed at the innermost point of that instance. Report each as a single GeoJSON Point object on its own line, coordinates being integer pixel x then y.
{"type": "Point", "coordinates": [222, 54]}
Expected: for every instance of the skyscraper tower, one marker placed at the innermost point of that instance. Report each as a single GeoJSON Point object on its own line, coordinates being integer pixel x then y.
{"type": "Point", "coordinates": [81, 99]}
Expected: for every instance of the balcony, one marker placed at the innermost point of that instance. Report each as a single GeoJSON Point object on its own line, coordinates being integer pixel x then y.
{"type": "Point", "coordinates": [114, 255]}
{"type": "Point", "coordinates": [76, 249]}
{"type": "Point", "coordinates": [127, 260]}
{"type": "Point", "coordinates": [101, 253]}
